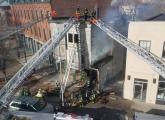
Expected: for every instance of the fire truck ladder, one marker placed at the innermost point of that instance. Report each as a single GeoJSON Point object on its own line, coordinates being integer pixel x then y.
{"type": "Point", "coordinates": [67, 71]}
{"type": "Point", "coordinates": [157, 64]}
{"type": "Point", "coordinates": [9, 89]}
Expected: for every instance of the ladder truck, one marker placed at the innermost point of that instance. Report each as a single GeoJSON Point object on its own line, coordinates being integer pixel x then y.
{"type": "Point", "coordinates": [6, 93]}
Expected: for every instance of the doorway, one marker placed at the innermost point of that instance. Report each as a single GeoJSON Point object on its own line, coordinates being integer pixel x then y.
{"type": "Point", "coordinates": [140, 89]}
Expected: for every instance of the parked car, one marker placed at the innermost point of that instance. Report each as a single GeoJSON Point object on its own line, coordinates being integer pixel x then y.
{"type": "Point", "coordinates": [26, 103]}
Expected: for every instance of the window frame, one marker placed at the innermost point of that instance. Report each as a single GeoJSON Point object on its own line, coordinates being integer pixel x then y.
{"type": "Point", "coordinates": [70, 35]}
{"type": "Point", "coordinates": [145, 41]}
{"type": "Point", "coordinates": [76, 40]}
{"type": "Point", "coordinates": [163, 51]}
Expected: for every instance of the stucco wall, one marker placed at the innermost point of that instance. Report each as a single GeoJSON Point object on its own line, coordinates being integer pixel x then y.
{"type": "Point", "coordinates": [135, 66]}
{"type": "Point", "coordinates": [61, 51]}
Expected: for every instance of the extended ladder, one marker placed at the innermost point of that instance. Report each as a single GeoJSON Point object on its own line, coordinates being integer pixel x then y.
{"type": "Point", "coordinates": [9, 89]}
{"type": "Point", "coordinates": [67, 71]}
{"type": "Point", "coordinates": [156, 63]}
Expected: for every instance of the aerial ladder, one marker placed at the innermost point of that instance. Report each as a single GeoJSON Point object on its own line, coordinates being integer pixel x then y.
{"type": "Point", "coordinates": [6, 93]}
{"type": "Point", "coordinates": [67, 71]}
{"type": "Point", "coordinates": [154, 61]}
{"type": "Point", "coordinates": [9, 89]}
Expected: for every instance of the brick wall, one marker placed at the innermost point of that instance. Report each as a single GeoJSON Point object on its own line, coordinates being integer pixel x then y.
{"type": "Point", "coordinates": [30, 12]}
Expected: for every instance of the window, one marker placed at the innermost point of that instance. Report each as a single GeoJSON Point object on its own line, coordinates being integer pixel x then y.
{"type": "Point", "coordinates": [49, 33]}
{"type": "Point", "coordinates": [76, 38]}
{"type": "Point", "coordinates": [25, 14]}
{"type": "Point", "coordinates": [35, 31]}
{"type": "Point", "coordinates": [31, 30]}
{"type": "Point", "coordinates": [42, 15]}
{"type": "Point", "coordinates": [39, 105]}
{"type": "Point", "coordinates": [39, 31]}
{"type": "Point", "coordinates": [36, 15]}
{"type": "Point", "coordinates": [44, 34]}
{"type": "Point", "coordinates": [32, 15]}
{"type": "Point", "coordinates": [145, 44]}
{"type": "Point", "coordinates": [163, 53]}
{"type": "Point", "coordinates": [30, 108]}
{"type": "Point", "coordinates": [15, 105]}
{"type": "Point", "coordinates": [22, 13]}
{"type": "Point", "coordinates": [140, 89]}
{"type": "Point", "coordinates": [28, 14]}
{"type": "Point", "coordinates": [70, 38]}
{"type": "Point", "coordinates": [161, 89]}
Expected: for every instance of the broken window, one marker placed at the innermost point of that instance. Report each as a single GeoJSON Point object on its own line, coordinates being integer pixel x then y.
{"type": "Point", "coordinates": [75, 38]}
{"type": "Point", "coordinates": [70, 38]}
{"type": "Point", "coordinates": [145, 44]}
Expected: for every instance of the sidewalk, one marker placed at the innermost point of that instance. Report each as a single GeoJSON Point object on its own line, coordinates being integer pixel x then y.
{"type": "Point", "coordinates": [144, 107]}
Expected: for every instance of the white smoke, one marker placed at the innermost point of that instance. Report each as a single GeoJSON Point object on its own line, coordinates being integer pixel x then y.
{"type": "Point", "coordinates": [119, 20]}
{"type": "Point", "coordinates": [101, 44]}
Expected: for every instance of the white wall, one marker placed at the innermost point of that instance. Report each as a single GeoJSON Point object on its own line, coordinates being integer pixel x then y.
{"type": "Point", "coordinates": [61, 52]}
{"type": "Point", "coordinates": [135, 66]}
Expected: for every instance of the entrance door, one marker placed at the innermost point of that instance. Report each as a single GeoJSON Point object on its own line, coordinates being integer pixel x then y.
{"type": "Point", "coordinates": [140, 89]}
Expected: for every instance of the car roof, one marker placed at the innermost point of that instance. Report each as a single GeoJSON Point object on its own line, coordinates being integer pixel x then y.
{"type": "Point", "coordinates": [26, 100]}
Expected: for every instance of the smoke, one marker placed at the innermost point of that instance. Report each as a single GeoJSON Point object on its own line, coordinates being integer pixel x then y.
{"type": "Point", "coordinates": [101, 44]}
{"type": "Point", "coordinates": [118, 16]}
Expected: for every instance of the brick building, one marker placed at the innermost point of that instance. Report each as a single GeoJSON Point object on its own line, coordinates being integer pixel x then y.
{"type": "Point", "coordinates": [23, 13]}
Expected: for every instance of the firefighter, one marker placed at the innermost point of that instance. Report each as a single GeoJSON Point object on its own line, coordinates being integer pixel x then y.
{"type": "Point", "coordinates": [80, 101]}
{"type": "Point", "coordinates": [39, 94]}
{"type": "Point", "coordinates": [86, 14]}
{"type": "Point", "coordinates": [93, 14]}
{"type": "Point", "coordinates": [78, 13]}
{"type": "Point", "coordinates": [88, 83]}
{"type": "Point", "coordinates": [53, 13]}
{"type": "Point", "coordinates": [92, 97]}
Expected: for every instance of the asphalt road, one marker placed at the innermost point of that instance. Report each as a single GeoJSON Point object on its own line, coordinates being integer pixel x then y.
{"type": "Point", "coordinates": [96, 113]}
